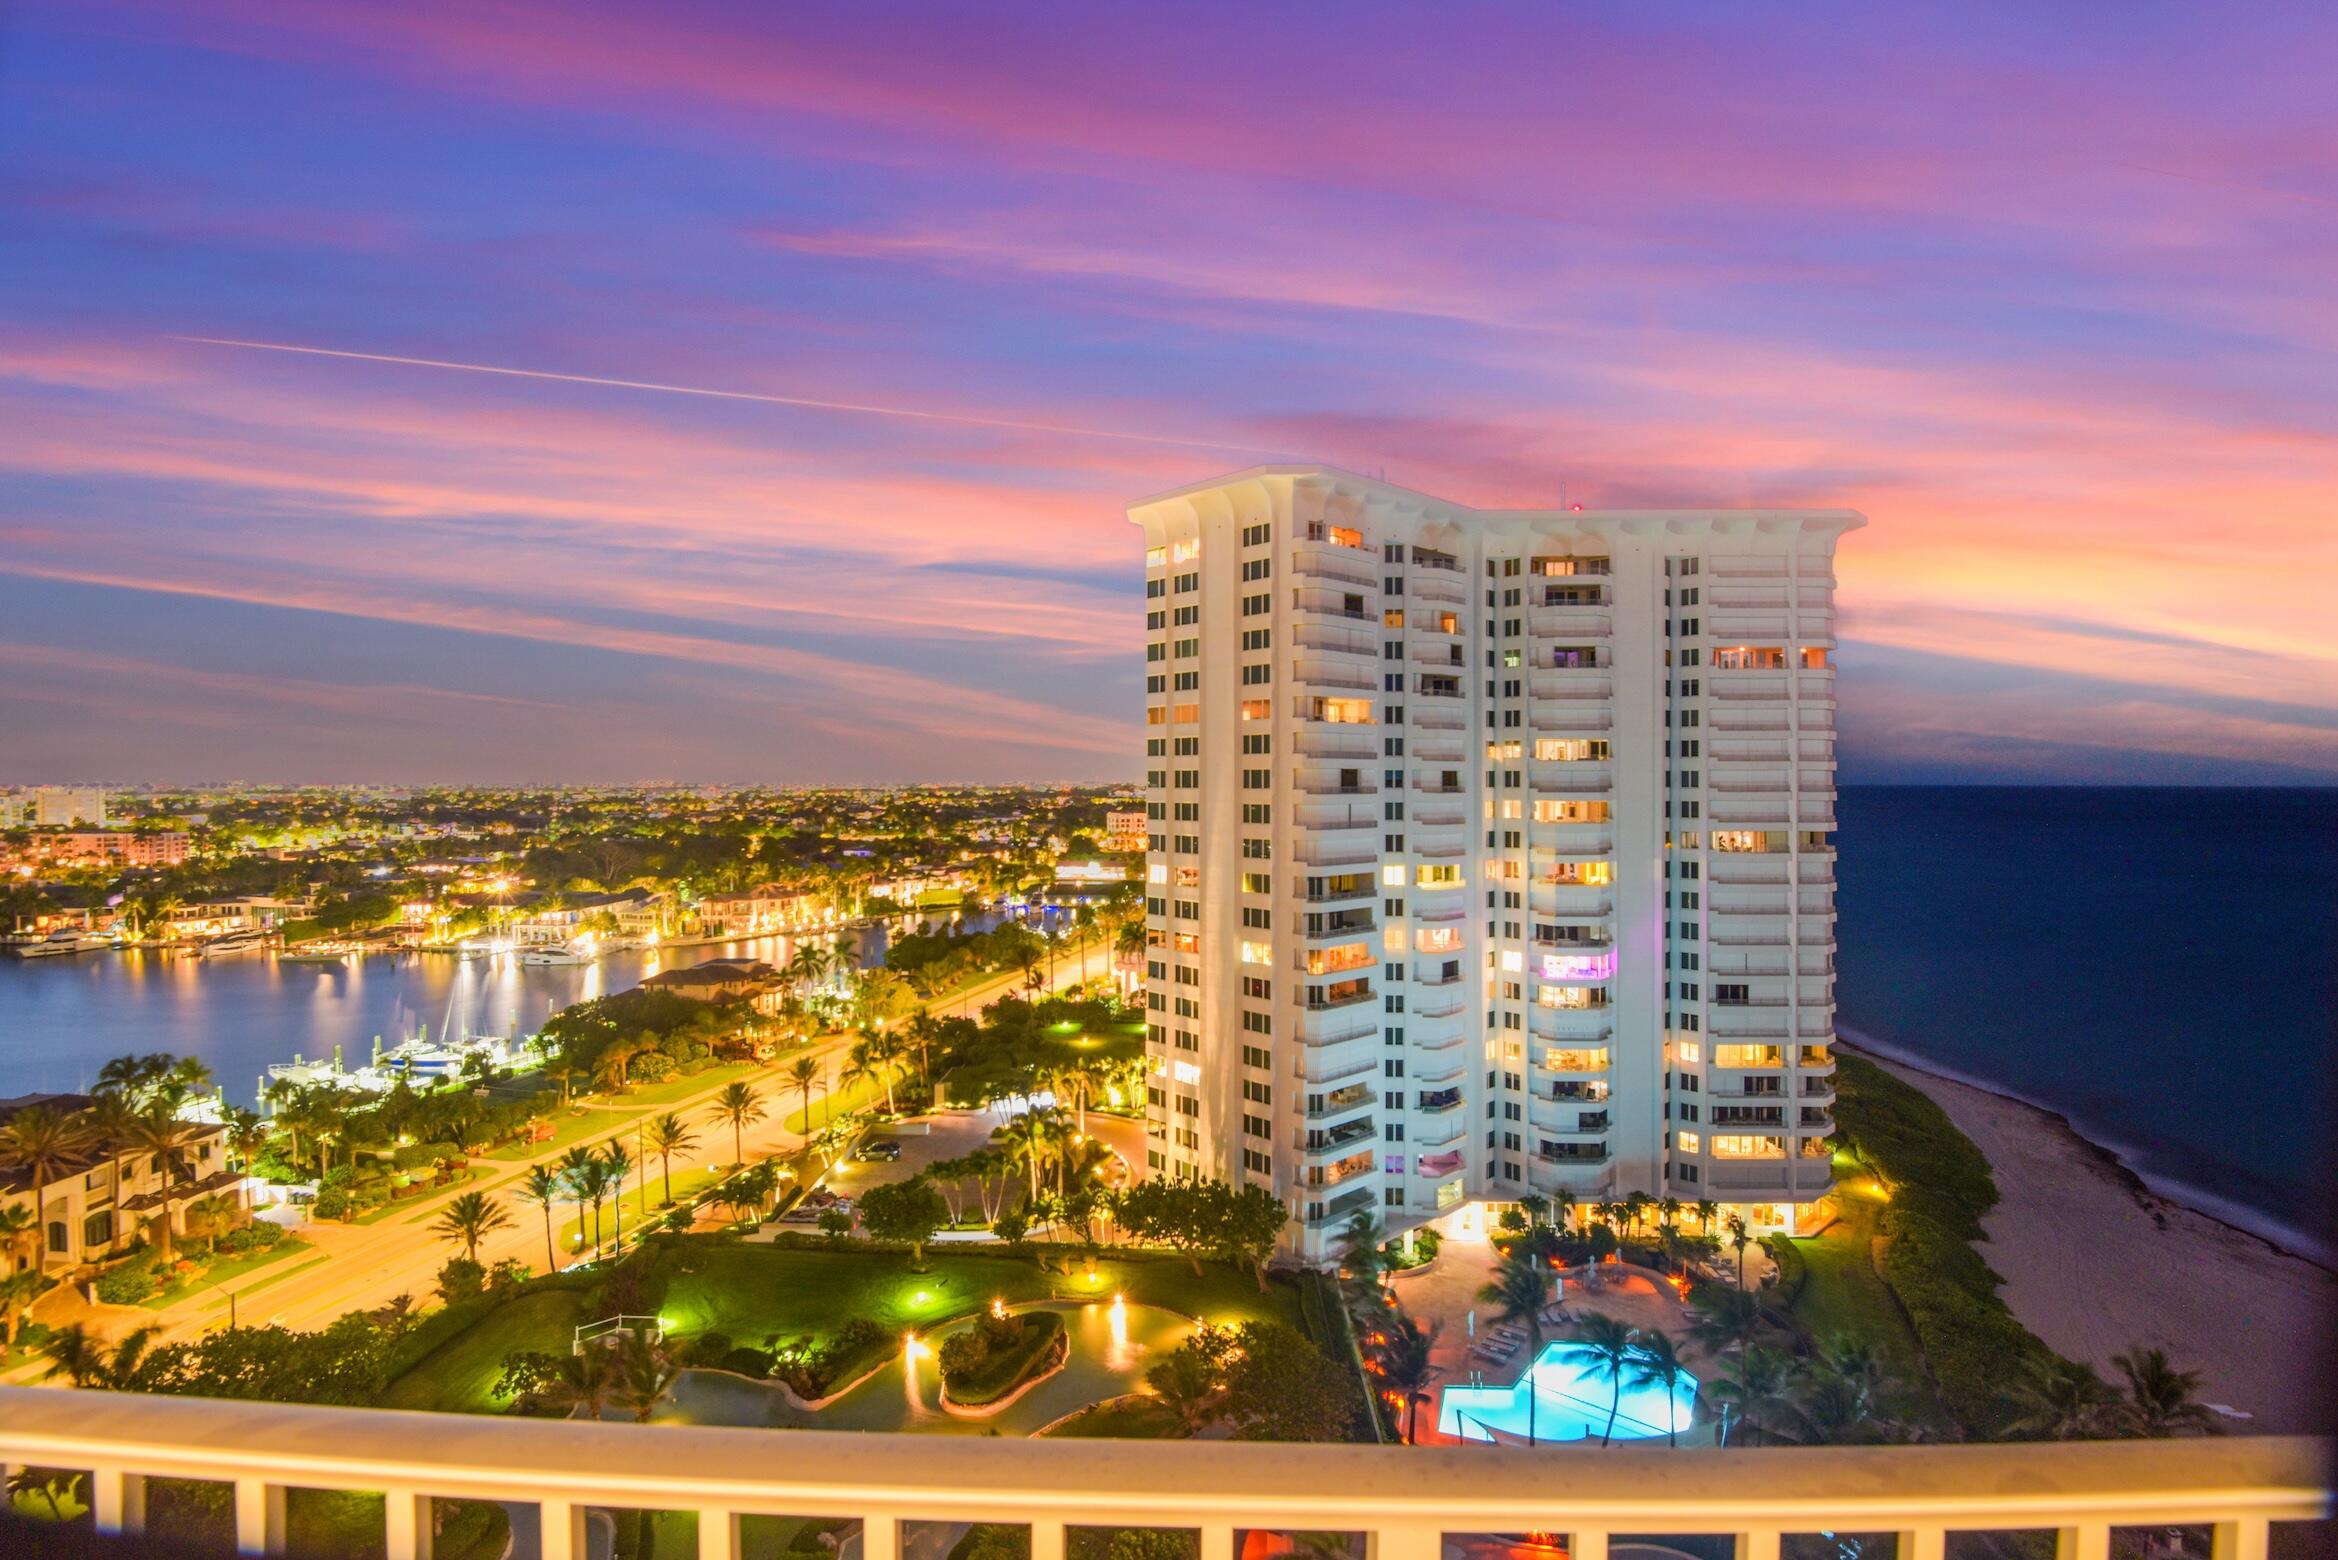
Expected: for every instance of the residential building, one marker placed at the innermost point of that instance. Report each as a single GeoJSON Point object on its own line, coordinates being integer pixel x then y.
{"type": "Point", "coordinates": [763, 910]}
{"type": "Point", "coordinates": [167, 849]}
{"type": "Point", "coordinates": [1490, 852]}
{"type": "Point", "coordinates": [1125, 830]}
{"type": "Point", "coordinates": [85, 1214]}
{"type": "Point", "coordinates": [62, 806]}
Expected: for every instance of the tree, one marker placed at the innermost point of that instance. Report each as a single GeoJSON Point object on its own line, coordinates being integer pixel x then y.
{"type": "Point", "coordinates": [1280, 1387]}
{"type": "Point", "coordinates": [2063, 1400]}
{"type": "Point", "coordinates": [617, 1164]}
{"type": "Point", "coordinates": [467, 1220]}
{"type": "Point", "coordinates": [1608, 1344]}
{"type": "Point", "coordinates": [46, 1143]}
{"type": "Point", "coordinates": [801, 1077]}
{"type": "Point", "coordinates": [1190, 1380]}
{"type": "Point", "coordinates": [157, 1131]}
{"type": "Point", "coordinates": [17, 1293]}
{"type": "Point", "coordinates": [1520, 1287]}
{"type": "Point", "coordinates": [110, 1123]}
{"type": "Point", "coordinates": [2161, 1399]}
{"type": "Point", "coordinates": [1759, 1388]}
{"type": "Point", "coordinates": [1740, 1238]}
{"type": "Point", "coordinates": [739, 1106]}
{"type": "Point", "coordinates": [909, 1211]}
{"type": "Point", "coordinates": [1249, 1221]}
{"type": "Point", "coordinates": [667, 1136]}
{"type": "Point", "coordinates": [542, 1187]}
{"type": "Point", "coordinates": [1657, 1363]}
{"type": "Point", "coordinates": [640, 1372]}
{"type": "Point", "coordinates": [1404, 1359]}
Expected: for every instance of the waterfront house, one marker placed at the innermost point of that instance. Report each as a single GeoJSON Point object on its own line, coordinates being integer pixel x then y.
{"type": "Point", "coordinates": [84, 1214]}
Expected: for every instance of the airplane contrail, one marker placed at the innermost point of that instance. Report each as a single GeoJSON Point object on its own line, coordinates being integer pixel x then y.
{"type": "Point", "coordinates": [732, 395]}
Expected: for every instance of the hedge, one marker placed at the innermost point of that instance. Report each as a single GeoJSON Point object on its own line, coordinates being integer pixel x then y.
{"type": "Point", "coordinates": [1940, 1187]}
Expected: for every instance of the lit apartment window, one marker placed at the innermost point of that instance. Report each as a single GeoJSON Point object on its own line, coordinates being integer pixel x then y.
{"type": "Point", "coordinates": [1735, 1146]}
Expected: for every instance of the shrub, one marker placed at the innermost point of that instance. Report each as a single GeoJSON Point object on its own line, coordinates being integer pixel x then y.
{"type": "Point", "coordinates": [652, 1067]}
{"type": "Point", "coordinates": [1941, 1186]}
{"type": "Point", "coordinates": [129, 1284]}
{"type": "Point", "coordinates": [509, 1274]}
{"type": "Point", "coordinates": [339, 1178]}
{"type": "Point", "coordinates": [815, 1370]}
{"type": "Point", "coordinates": [257, 1236]}
{"type": "Point", "coordinates": [331, 1203]}
{"type": "Point", "coordinates": [461, 1279]}
{"type": "Point", "coordinates": [747, 1362]}
{"type": "Point", "coordinates": [835, 1223]}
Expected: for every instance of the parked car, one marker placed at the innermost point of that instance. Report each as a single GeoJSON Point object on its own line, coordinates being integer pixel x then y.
{"type": "Point", "coordinates": [883, 1148]}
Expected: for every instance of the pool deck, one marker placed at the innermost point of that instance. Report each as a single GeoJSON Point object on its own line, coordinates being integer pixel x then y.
{"type": "Point", "coordinates": [1445, 1293]}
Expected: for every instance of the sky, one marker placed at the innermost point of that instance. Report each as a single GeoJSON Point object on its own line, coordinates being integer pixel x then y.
{"type": "Point", "coordinates": [2045, 291]}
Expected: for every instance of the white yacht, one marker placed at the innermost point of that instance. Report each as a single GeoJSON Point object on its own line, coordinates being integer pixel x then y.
{"type": "Point", "coordinates": [244, 940]}
{"type": "Point", "coordinates": [555, 953]}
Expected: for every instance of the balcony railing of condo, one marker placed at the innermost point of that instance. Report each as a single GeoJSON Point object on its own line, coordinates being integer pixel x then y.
{"type": "Point", "coordinates": [1398, 1503]}
{"type": "Point", "coordinates": [1433, 1101]}
{"type": "Point", "coordinates": [1322, 999]}
{"type": "Point", "coordinates": [1340, 1100]}
{"type": "Point", "coordinates": [1345, 1206]}
{"type": "Point", "coordinates": [1327, 1139]}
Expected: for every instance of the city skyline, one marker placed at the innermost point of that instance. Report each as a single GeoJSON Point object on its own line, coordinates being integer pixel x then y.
{"type": "Point", "coordinates": [840, 351]}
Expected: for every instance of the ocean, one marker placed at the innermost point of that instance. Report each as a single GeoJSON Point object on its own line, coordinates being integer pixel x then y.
{"type": "Point", "coordinates": [2155, 964]}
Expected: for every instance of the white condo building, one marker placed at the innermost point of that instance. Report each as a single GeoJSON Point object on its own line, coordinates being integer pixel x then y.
{"type": "Point", "coordinates": [1490, 851]}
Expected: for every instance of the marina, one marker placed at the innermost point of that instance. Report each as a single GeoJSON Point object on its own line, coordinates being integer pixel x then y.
{"type": "Point", "coordinates": [253, 1008]}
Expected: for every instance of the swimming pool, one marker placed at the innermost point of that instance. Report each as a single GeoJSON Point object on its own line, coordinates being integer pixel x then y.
{"type": "Point", "coordinates": [1568, 1403]}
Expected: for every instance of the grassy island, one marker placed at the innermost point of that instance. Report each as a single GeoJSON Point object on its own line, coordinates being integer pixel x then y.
{"type": "Point", "coordinates": [1000, 1352]}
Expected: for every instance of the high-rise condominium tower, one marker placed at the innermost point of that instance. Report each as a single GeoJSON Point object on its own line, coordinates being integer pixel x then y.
{"type": "Point", "coordinates": [1491, 851]}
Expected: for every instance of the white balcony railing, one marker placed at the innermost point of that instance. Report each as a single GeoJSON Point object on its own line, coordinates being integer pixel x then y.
{"type": "Point", "coordinates": [1403, 1501]}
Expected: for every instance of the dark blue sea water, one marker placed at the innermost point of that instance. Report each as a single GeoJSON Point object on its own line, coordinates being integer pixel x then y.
{"type": "Point", "coordinates": [2156, 964]}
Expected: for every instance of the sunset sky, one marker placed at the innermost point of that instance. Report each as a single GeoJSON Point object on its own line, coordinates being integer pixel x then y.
{"type": "Point", "coordinates": [2049, 292]}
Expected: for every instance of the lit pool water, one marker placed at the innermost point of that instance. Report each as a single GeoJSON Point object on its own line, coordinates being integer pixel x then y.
{"type": "Point", "coordinates": [1568, 1402]}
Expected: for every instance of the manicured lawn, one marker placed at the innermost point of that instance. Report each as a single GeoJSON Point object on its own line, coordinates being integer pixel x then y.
{"type": "Point", "coordinates": [753, 1292]}
{"type": "Point", "coordinates": [570, 1127]}
{"type": "Point", "coordinates": [681, 1087]}
{"type": "Point", "coordinates": [1845, 1296]}
{"type": "Point", "coordinates": [228, 1270]}
{"type": "Point", "coordinates": [460, 1375]}
{"type": "Point", "coordinates": [574, 1232]}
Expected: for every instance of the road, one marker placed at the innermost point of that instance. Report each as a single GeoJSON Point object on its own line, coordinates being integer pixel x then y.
{"type": "Point", "coordinates": [369, 1265]}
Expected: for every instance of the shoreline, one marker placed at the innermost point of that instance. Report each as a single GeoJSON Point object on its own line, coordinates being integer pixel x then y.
{"type": "Point", "coordinates": [2095, 1260]}
{"type": "Point", "coordinates": [2118, 1159]}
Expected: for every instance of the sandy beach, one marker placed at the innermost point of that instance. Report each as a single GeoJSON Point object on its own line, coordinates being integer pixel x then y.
{"type": "Point", "coordinates": [2095, 1263]}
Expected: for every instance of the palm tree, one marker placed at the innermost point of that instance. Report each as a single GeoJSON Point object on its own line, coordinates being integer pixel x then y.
{"type": "Point", "coordinates": [737, 1105]}
{"type": "Point", "coordinates": [1759, 1388]}
{"type": "Point", "coordinates": [1404, 1361]}
{"type": "Point", "coordinates": [1707, 1211]}
{"type": "Point", "coordinates": [45, 1143]}
{"type": "Point", "coordinates": [108, 1122]}
{"type": "Point", "coordinates": [801, 1076]}
{"type": "Point", "coordinates": [17, 1293]}
{"type": "Point", "coordinates": [1186, 1381]}
{"type": "Point", "coordinates": [1657, 1363]}
{"type": "Point", "coordinates": [666, 1136]}
{"type": "Point", "coordinates": [1520, 1288]}
{"type": "Point", "coordinates": [2160, 1398]}
{"type": "Point", "coordinates": [157, 1131]}
{"type": "Point", "coordinates": [2065, 1400]}
{"type": "Point", "coordinates": [1740, 1238]}
{"type": "Point", "coordinates": [640, 1372]}
{"type": "Point", "coordinates": [588, 1383]}
{"type": "Point", "coordinates": [618, 1164]}
{"type": "Point", "coordinates": [542, 1187]}
{"type": "Point", "coordinates": [587, 1180]}
{"type": "Point", "coordinates": [467, 1220]}
{"type": "Point", "coordinates": [1610, 1343]}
